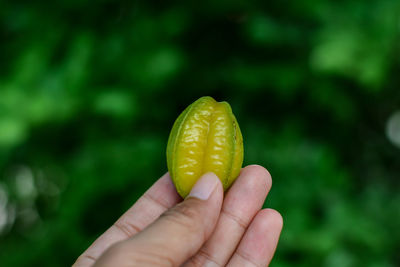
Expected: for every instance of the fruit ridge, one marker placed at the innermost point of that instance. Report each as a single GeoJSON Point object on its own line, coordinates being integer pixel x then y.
{"type": "Point", "coordinates": [204, 138]}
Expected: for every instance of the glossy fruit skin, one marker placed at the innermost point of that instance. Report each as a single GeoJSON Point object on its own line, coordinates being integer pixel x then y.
{"type": "Point", "coordinates": [205, 138]}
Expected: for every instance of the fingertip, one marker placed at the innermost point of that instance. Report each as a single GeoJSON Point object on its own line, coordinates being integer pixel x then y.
{"type": "Point", "coordinates": [207, 185]}
{"type": "Point", "coordinates": [260, 173]}
{"type": "Point", "coordinates": [271, 217]}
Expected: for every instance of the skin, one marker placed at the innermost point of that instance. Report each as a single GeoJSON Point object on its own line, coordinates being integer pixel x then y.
{"type": "Point", "coordinates": [162, 230]}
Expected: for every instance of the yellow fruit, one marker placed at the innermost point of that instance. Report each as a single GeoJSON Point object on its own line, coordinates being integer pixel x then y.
{"type": "Point", "coordinates": [205, 138]}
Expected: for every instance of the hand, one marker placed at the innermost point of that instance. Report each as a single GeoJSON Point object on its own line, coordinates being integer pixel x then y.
{"type": "Point", "coordinates": [202, 230]}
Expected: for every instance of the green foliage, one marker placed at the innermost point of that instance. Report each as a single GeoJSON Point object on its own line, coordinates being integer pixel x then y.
{"type": "Point", "coordinates": [89, 92]}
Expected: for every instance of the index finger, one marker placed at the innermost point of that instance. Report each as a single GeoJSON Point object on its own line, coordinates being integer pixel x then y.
{"type": "Point", "coordinates": [157, 199]}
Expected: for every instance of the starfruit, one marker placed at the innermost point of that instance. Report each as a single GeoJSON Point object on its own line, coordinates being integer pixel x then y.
{"type": "Point", "coordinates": [204, 138]}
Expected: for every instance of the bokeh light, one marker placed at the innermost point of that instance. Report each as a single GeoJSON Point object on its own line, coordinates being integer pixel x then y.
{"type": "Point", "coordinates": [393, 128]}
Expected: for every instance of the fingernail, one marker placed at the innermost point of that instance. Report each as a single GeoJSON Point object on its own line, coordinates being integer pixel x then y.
{"type": "Point", "coordinates": [204, 186]}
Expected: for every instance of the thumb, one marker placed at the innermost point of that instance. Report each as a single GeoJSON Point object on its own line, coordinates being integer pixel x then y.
{"type": "Point", "coordinates": [177, 235]}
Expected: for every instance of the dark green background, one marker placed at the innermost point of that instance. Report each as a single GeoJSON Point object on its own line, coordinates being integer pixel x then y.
{"type": "Point", "coordinates": [89, 91]}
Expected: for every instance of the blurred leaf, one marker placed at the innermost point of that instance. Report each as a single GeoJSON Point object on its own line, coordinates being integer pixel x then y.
{"type": "Point", "coordinates": [115, 103]}
{"type": "Point", "coordinates": [12, 131]}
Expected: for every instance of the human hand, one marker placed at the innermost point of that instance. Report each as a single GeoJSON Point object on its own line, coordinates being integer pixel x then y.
{"type": "Point", "coordinates": [203, 230]}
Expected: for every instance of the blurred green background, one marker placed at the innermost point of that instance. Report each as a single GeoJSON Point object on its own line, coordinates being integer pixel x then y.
{"type": "Point", "coordinates": [89, 91]}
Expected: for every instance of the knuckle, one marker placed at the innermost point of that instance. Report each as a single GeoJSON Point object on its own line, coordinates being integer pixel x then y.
{"type": "Point", "coordinates": [126, 227]}
{"type": "Point", "coordinates": [185, 216]}
{"type": "Point", "coordinates": [196, 261]}
{"type": "Point", "coordinates": [84, 260]}
{"type": "Point", "coordinates": [203, 258]}
{"type": "Point", "coordinates": [162, 260]}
